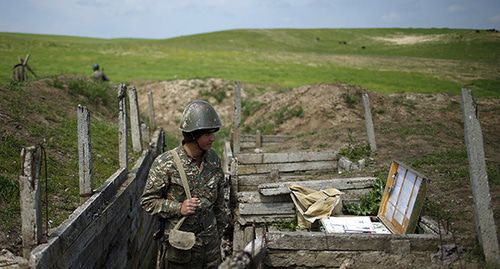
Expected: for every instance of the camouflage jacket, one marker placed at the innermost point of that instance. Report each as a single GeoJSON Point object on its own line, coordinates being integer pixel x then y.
{"type": "Point", "coordinates": [164, 193]}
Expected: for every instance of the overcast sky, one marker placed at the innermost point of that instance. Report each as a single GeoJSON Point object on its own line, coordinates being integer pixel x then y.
{"type": "Point", "coordinates": [171, 18]}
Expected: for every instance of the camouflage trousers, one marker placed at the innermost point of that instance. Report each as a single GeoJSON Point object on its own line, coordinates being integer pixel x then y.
{"type": "Point", "coordinates": [206, 253]}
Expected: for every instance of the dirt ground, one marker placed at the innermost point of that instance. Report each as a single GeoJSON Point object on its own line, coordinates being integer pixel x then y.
{"type": "Point", "coordinates": [424, 131]}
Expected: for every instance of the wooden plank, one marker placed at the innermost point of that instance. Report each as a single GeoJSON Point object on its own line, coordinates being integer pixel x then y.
{"type": "Point", "coordinates": [252, 158]}
{"type": "Point", "coordinates": [266, 208]}
{"type": "Point", "coordinates": [341, 184]}
{"type": "Point", "coordinates": [287, 167]}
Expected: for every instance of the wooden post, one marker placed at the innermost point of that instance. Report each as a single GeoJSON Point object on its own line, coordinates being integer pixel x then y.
{"type": "Point", "coordinates": [484, 219]}
{"type": "Point", "coordinates": [258, 139]}
{"type": "Point", "coordinates": [134, 120]}
{"type": "Point", "coordinates": [84, 153]}
{"type": "Point", "coordinates": [237, 118]}
{"type": "Point", "coordinates": [151, 111]}
{"type": "Point", "coordinates": [122, 132]}
{"type": "Point", "coordinates": [369, 123]}
{"type": "Point", "coordinates": [30, 198]}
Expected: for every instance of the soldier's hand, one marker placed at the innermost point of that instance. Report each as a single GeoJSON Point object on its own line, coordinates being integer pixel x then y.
{"type": "Point", "coordinates": [189, 206]}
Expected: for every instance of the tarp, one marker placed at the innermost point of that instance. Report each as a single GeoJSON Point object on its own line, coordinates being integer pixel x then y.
{"type": "Point", "coordinates": [313, 204]}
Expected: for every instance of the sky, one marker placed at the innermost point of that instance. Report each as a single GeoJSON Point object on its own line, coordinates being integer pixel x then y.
{"type": "Point", "coordinates": [158, 19]}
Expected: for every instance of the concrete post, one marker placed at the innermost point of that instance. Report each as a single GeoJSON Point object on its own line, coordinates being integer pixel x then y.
{"type": "Point", "coordinates": [151, 112]}
{"type": "Point", "coordinates": [162, 142]}
{"type": "Point", "coordinates": [369, 123]}
{"type": "Point", "coordinates": [258, 139]}
{"type": "Point", "coordinates": [30, 198]}
{"type": "Point", "coordinates": [84, 153]}
{"type": "Point", "coordinates": [237, 118]}
{"type": "Point", "coordinates": [134, 119]}
{"type": "Point", "coordinates": [122, 128]}
{"type": "Point", "coordinates": [145, 134]}
{"type": "Point", "coordinates": [484, 219]}
{"type": "Point", "coordinates": [233, 170]}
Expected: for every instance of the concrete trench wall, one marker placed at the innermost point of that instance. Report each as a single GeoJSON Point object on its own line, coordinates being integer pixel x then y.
{"type": "Point", "coordinates": [261, 199]}
{"type": "Point", "coordinates": [322, 250]}
{"type": "Point", "coordinates": [110, 230]}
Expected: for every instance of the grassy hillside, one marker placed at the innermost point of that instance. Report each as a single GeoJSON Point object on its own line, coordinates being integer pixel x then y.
{"type": "Point", "coordinates": [381, 60]}
{"type": "Point", "coordinates": [43, 113]}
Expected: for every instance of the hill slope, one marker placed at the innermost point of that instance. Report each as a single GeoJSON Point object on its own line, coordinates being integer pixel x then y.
{"type": "Point", "coordinates": [44, 113]}
{"type": "Point", "coordinates": [381, 60]}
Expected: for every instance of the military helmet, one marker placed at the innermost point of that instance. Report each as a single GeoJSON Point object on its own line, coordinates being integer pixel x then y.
{"type": "Point", "coordinates": [200, 115]}
{"type": "Point", "coordinates": [95, 67]}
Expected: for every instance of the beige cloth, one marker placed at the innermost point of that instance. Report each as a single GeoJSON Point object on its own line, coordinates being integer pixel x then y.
{"type": "Point", "coordinates": [312, 204]}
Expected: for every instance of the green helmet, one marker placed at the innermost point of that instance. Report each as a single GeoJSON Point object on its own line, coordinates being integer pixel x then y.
{"type": "Point", "coordinates": [199, 115]}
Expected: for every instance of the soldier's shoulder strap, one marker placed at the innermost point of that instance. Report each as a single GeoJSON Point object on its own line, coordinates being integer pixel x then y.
{"type": "Point", "coordinates": [180, 168]}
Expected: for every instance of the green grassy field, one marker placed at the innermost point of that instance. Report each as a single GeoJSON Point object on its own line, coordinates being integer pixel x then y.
{"type": "Point", "coordinates": [381, 60]}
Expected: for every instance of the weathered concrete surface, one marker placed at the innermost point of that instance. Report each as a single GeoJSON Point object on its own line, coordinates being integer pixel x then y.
{"type": "Point", "coordinates": [483, 212]}
{"type": "Point", "coordinates": [110, 230]}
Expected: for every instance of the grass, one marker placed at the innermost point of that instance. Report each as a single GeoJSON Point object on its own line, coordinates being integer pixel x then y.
{"type": "Point", "coordinates": [369, 203]}
{"type": "Point", "coordinates": [283, 57]}
{"type": "Point", "coordinates": [48, 123]}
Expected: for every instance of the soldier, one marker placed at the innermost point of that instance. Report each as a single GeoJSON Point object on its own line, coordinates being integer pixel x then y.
{"type": "Point", "coordinates": [164, 195]}
{"type": "Point", "coordinates": [20, 70]}
{"type": "Point", "coordinates": [97, 74]}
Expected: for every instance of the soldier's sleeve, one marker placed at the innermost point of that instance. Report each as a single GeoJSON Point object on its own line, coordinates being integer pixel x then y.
{"type": "Point", "coordinates": [221, 209]}
{"type": "Point", "coordinates": [154, 199]}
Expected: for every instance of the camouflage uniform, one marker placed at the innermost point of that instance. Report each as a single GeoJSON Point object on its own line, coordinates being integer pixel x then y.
{"type": "Point", "coordinates": [164, 194]}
